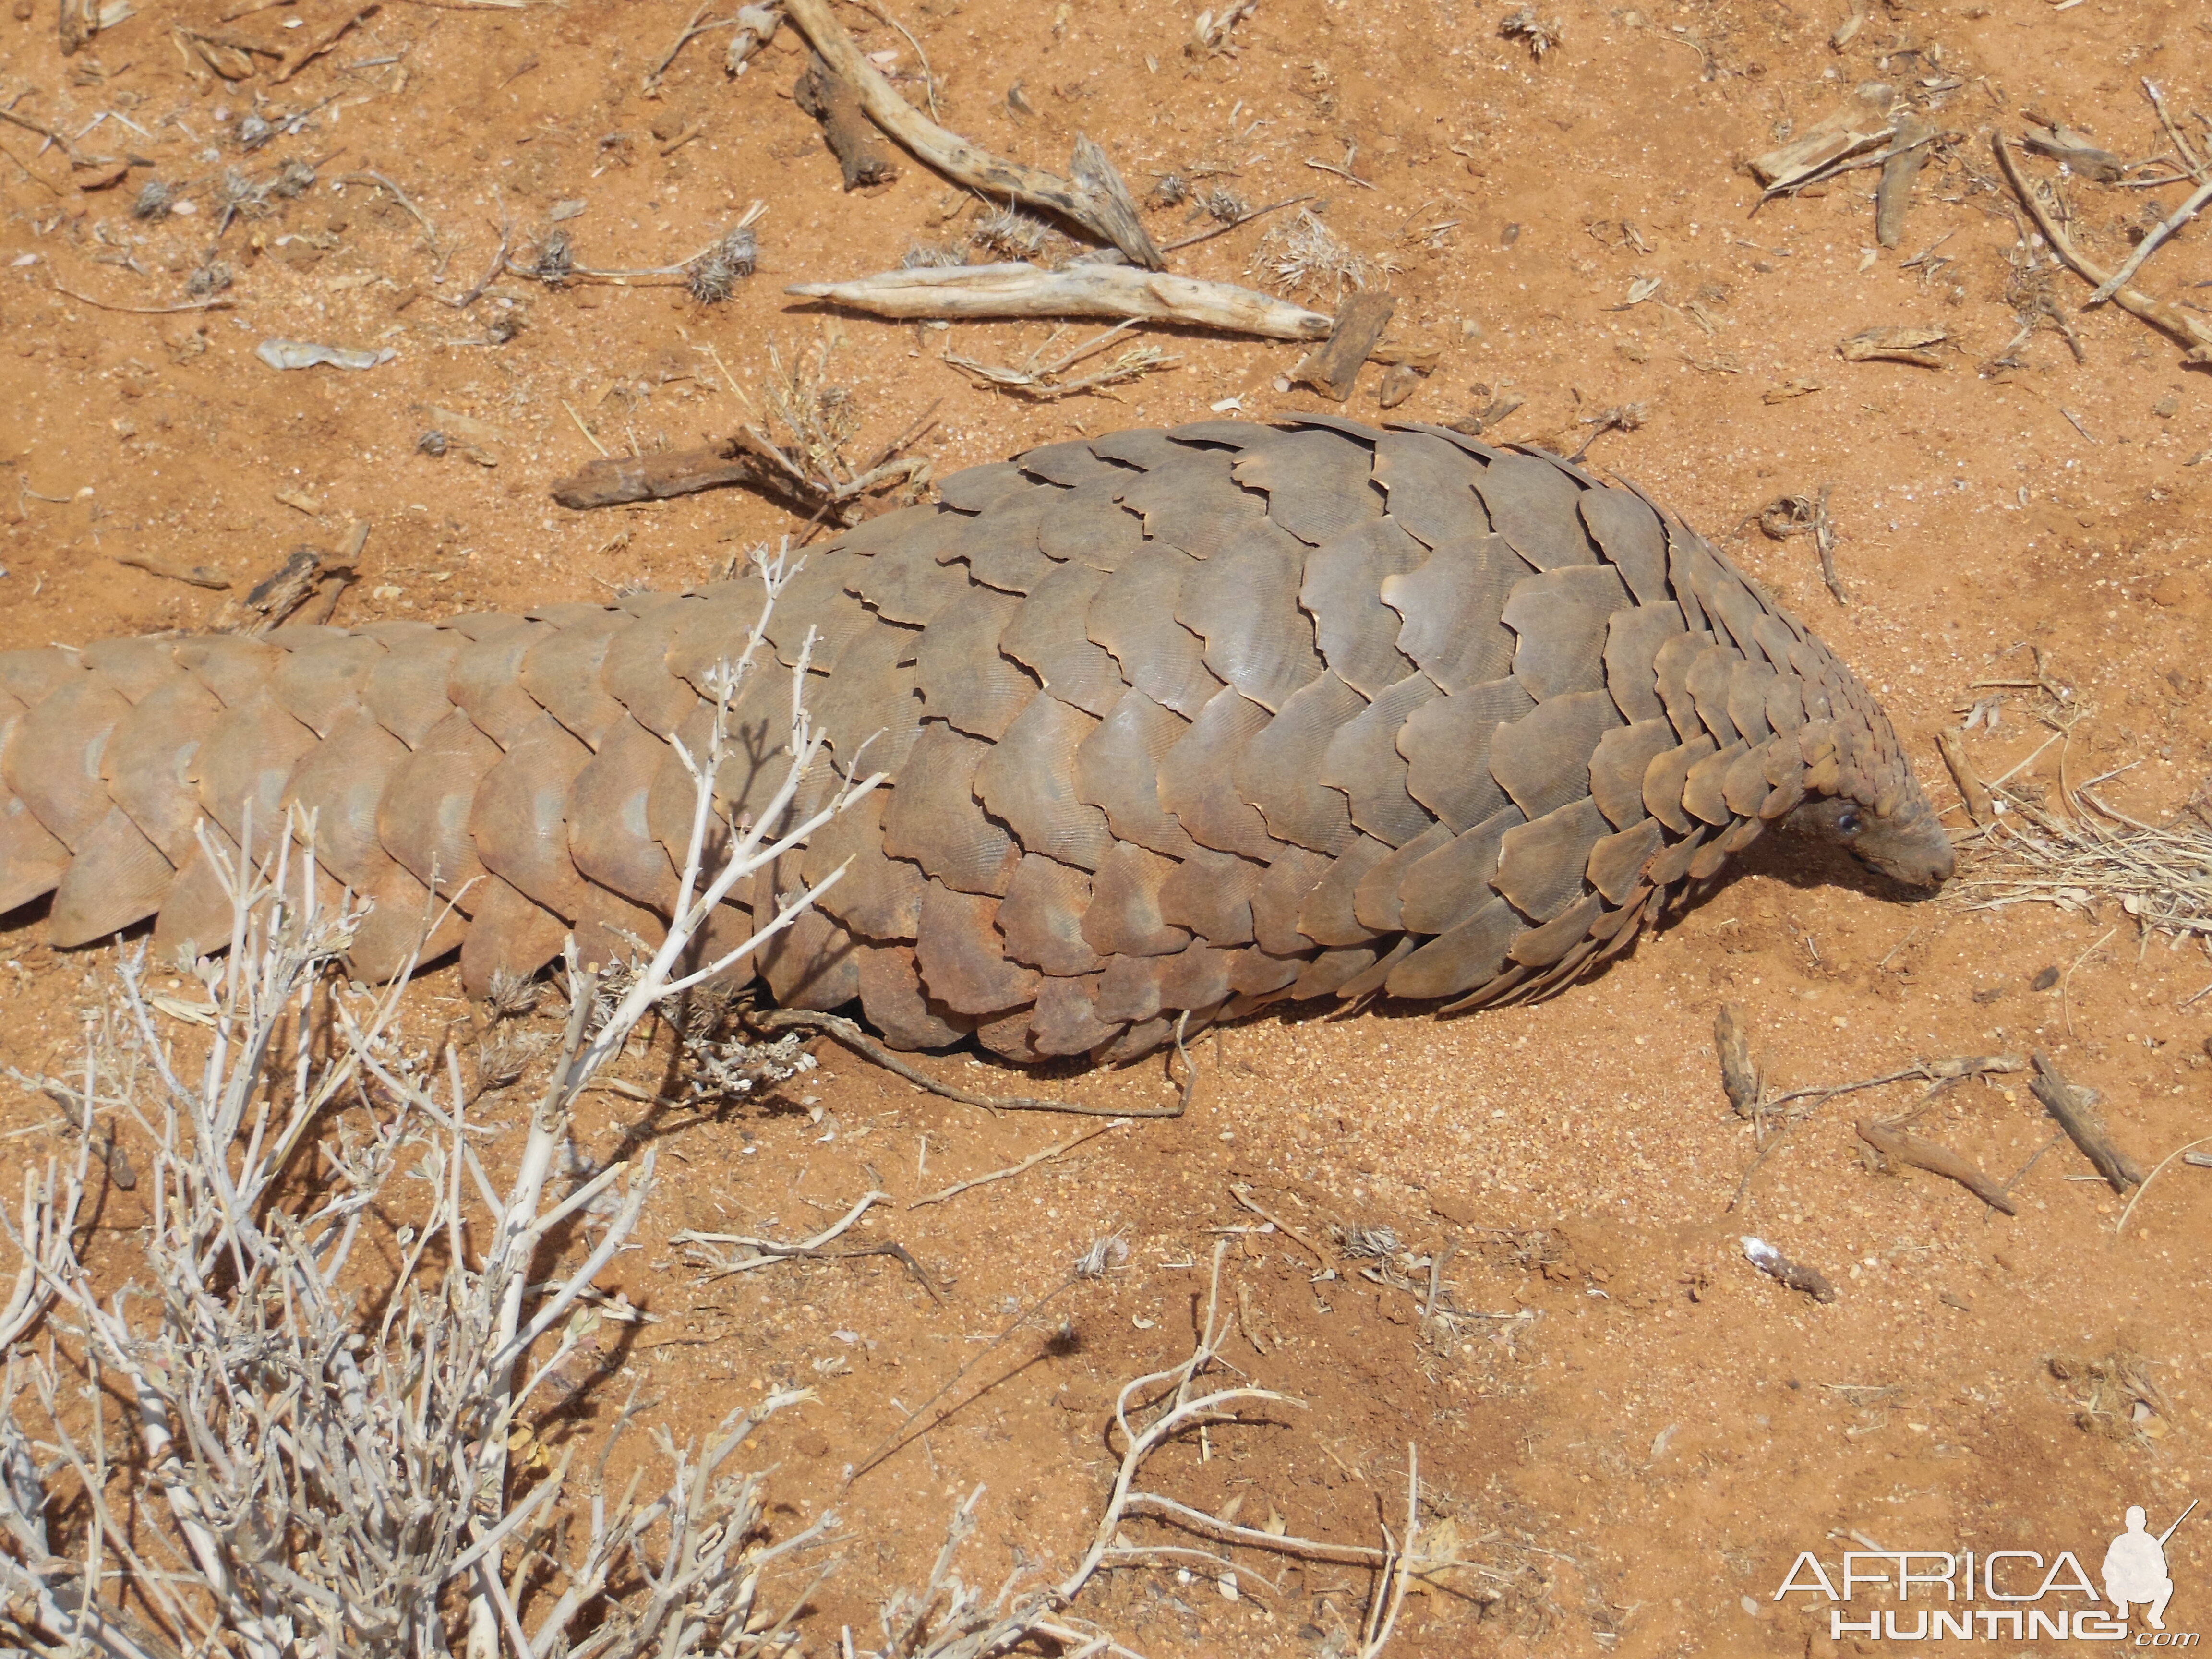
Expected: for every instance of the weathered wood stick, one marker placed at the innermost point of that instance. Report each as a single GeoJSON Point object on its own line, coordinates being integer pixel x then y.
{"type": "Point", "coordinates": [1971, 790]}
{"type": "Point", "coordinates": [175, 570]}
{"type": "Point", "coordinates": [1023, 290]}
{"type": "Point", "coordinates": [1921, 1153]}
{"type": "Point", "coordinates": [2075, 1111]}
{"type": "Point", "coordinates": [830, 100]}
{"type": "Point", "coordinates": [2156, 312]}
{"type": "Point", "coordinates": [613, 480]}
{"type": "Point", "coordinates": [1740, 1079]}
{"type": "Point", "coordinates": [1096, 198]}
{"type": "Point", "coordinates": [1332, 368]}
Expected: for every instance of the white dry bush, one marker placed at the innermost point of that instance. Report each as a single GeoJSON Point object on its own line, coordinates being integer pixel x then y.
{"type": "Point", "coordinates": [311, 1461]}
{"type": "Point", "coordinates": [312, 1467]}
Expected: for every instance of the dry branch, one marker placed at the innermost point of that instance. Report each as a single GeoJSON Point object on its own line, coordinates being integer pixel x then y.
{"type": "Point", "coordinates": [1971, 790]}
{"type": "Point", "coordinates": [1044, 1156]}
{"type": "Point", "coordinates": [1332, 368]}
{"type": "Point", "coordinates": [1902, 1148]}
{"type": "Point", "coordinates": [1850, 131]}
{"type": "Point", "coordinates": [2158, 314]}
{"type": "Point", "coordinates": [830, 100]}
{"type": "Point", "coordinates": [1023, 290]}
{"type": "Point", "coordinates": [617, 480]}
{"type": "Point", "coordinates": [2074, 1109]}
{"type": "Point", "coordinates": [1041, 380]}
{"type": "Point", "coordinates": [1094, 198]}
{"type": "Point", "coordinates": [1740, 1079]}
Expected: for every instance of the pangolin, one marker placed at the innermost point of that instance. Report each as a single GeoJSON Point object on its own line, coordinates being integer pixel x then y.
{"type": "Point", "coordinates": [1177, 723]}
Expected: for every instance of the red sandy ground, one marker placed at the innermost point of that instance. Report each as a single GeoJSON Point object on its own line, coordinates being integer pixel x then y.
{"type": "Point", "coordinates": [1641, 1449]}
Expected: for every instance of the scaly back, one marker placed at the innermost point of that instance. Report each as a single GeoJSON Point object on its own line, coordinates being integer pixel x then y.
{"type": "Point", "coordinates": [1176, 722]}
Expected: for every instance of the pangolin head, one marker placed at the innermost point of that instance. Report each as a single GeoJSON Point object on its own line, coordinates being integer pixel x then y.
{"type": "Point", "coordinates": [1896, 833]}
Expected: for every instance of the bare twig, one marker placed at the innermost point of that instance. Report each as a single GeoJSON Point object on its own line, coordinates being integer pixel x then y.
{"type": "Point", "coordinates": [2185, 1152]}
{"type": "Point", "coordinates": [2195, 334]}
{"type": "Point", "coordinates": [1971, 790]}
{"type": "Point", "coordinates": [1740, 1079]}
{"type": "Point", "coordinates": [1921, 1153]}
{"type": "Point", "coordinates": [1013, 1169]}
{"type": "Point", "coordinates": [1090, 290]}
{"type": "Point", "coordinates": [406, 202]}
{"type": "Point", "coordinates": [2157, 233]}
{"type": "Point", "coordinates": [1244, 219]}
{"type": "Point", "coordinates": [2074, 1109]}
{"type": "Point", "coordinates": [214, 302]}
{"type": "Point", "coordinates": [1093, 197]}
{"type": "Point", "coordinates": [1332, 368]}
{"type": "Point", "coordinates": [1323, 1259]}
{"type": "Point", "coordinates": [1038, 380]}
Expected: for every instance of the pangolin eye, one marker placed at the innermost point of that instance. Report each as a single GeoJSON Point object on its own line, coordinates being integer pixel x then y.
{"type": "Point", "coordinates": [1848, 822]}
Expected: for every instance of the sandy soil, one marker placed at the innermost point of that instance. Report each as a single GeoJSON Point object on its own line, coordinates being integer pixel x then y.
{"type": "Point", "coordinates": [1634, 1430]}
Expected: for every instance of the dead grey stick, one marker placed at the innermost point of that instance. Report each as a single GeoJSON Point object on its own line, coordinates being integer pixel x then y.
{"type": "Point", "coordinates": [2075, 1111]}
{"type": "Point", "coordinates": [2120, 278]}
{"type": "Point", "coordinates": [1096, 198]}
{"type": "Point", "coordinates": [1023, 290]}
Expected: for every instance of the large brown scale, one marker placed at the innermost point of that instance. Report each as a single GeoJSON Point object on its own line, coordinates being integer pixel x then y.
{"type": "Point", "coordinates": [1176, 722]}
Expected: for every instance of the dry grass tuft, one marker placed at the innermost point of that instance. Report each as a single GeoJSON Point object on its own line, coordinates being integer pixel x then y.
{"type": "Point", "coordinates": [2084, 854]}
{"type": "Point", "coordinates": [1306, 256]}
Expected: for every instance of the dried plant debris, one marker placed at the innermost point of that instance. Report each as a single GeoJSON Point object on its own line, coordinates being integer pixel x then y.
{"type": "Point", "coordinates": [715, 1061]}
{"type": "Point", "coordinates": [1008, 232]}
{"type": "Point", "coordinates": [1307, 257]}
{"type": "Point", "coordinates": [932, 255]}
{"type": "Point", "coordinates": [1900, 1146]}
{"type": "Point", "coordinates": [1014, 289]}
{"type": "Point", "coordinates": [1900, 167]}
{"type": "Point", "coordinates": [210, 279]}
{"type": "Point", "coordinates": [1210, 33]}
{"type": "Point", "coordinates": [2075, 1108]}
{"type": "Point", "coordinates": [2051, 217]}
{"type": "Point", "coordinates": [255, 1389]}
{"type": "Point", "coordinates": [1908, 343]}
{"type": "Point", "coordinates": [1740, 1079]}
{"type": "Point", "coordinates": [1804, 515]}
{"type": "Point", "coordinates": [809, 467]}
{"type": "Point", "coordinates": [1332, 368]}
{"type": "Point", "coordinates": [1037, 379]}
{"type": "Point", "coordinates": [1493, 408]}
{"type": "Point", "coordinates": [1092, 195]}
{"type": "Point", "coordinates": [155, 198]}
{"type": "Point", "coordinates": [1223, 205]}
{"type": "Point", "coordinates": [1793, 1275]}
{"type": "Point", "coordinates": [1539, 36]}
{"type": "Point", "coordinates": [2114, 1397]}
{"type": "Point", "coordinates": [1840, 136]}
{"type": "Point", "coordinates": [1169, 189]}
{"type": "Point", "coordinates": [556, 261]}
{"type": "Point", "coordinates": [2089, 854]}
{"type": "Point", "coordinates": [2079, 152]}
{"type": "Point", "coordinates": [714, 275]}
{"type": "Point", "coordinates": [711, 275]}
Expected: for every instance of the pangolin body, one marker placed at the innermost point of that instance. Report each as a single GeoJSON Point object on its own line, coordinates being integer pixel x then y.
{"type": "Point", "coordinates": [1177, 723]}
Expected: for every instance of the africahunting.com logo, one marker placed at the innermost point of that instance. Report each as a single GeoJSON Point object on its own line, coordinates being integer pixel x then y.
{"type": "Point", "coordinates": [2026, 1597]}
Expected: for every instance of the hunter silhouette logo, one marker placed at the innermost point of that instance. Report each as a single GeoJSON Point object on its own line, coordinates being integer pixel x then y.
{"type": "Point", "coordinates": [2009, 1595]}
{"type": "Point", "coordinates": [2134, 1568]}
